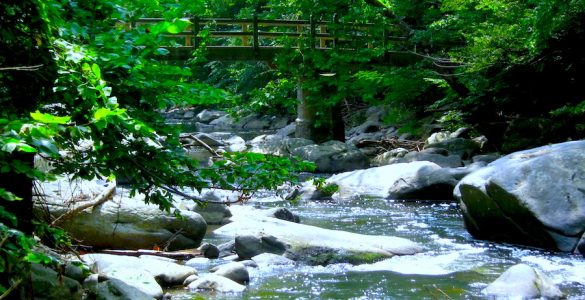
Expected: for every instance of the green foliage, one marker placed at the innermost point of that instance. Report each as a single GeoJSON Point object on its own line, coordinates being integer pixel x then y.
{"type": "Point", "coordinates": [326, 189]}
{"type": "Point", "coordinates": [93, 111]}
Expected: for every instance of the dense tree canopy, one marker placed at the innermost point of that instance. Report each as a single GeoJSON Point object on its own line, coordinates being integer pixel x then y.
{"type": "Point", "coordinates": [82, 88]}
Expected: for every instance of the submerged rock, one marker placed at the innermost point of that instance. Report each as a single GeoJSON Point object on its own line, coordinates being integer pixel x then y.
{"type": "Point", "coordinates": [112, 289]}
{"type": "Point", "coordinates": [248, 246]}
{"type": "Point", "coordinates": [216, 283]}
{"type": "Point", "coordinates": [316, 245]}
{"type": "Point", "coordinates": [333, 156]}
{"type": "Point", "coordinates": [533, 197]}
{"type": "Point", "coordinates": [235, 271]}
{"type": "Point", "coordinates": [523, 282]}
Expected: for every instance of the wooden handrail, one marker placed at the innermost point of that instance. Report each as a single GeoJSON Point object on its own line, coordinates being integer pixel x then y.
{"type": "Point", "coordinates": [324, 34]}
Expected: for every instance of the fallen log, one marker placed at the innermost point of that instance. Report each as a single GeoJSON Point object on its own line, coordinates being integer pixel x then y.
{"type": "Point", "coordinates": [181, 255]}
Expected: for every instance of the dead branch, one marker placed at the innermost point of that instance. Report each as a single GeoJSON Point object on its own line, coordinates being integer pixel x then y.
{"type": "Point", "coordinates": [202, 143]}
{"type": "Point", "coordinates": [104, 196]}
{"type": "Point", "coordinates": [24, 68]}
{"type": "Point", "coordinates": [174, 255]}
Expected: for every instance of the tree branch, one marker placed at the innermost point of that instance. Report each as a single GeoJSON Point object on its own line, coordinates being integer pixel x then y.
{"type": "Point", "coordinates": [25, 68]}
{"type": "Point", "coordinates": [104, 196]}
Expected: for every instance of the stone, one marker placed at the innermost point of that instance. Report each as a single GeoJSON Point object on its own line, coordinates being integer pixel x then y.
{"type": "Point", "coordinates": [223, 122]}
{"type": "Point", "coordinates": [464, 148]}
{"type": "Point", "coordinates": [277, 145]}
{"type": "Point", "coordinates": [287, 131]}
{"type": "Point", "coordinates": [206, 116]}
{"type": "Point", "coordinates": [314, 245]}
{"type": "Point", "coordinates": [271, 259]}
{"type": "Point", "coordinates": [283, 214]}
{"type": "Point", "coordinates": [112, 289]}
{"type": "Point", "coordinates": [235, 271]}
{"type": "Point", "coordinates": [333, 156]}
{"type": "Point", "coordinates": [248, 246]}
{"type": "Point", "coordinates": [462, 132]}
{"type": "Point", "coordinates": [118, 223]}
{"type": "Point", "coordinates": [533, 197]}
{"type": "Point", "coordinates": [143, 273]}
{"type": "Point", "coordinates": [197, 262]}
{"type": "Point", "coordinates": [190, 279]}
{"type": "Point", "coordinates": [166, 271]}
{"type": "Point", "coordinates": [451, 161]}
{"type": "Point", "coordinates": [216, 283]}
{"type": "Point", "coordinates": [212, 213]}
{"type": "Point", "coordinates": [209, 250]}
{"type": "Point", "coordinates": [487, 158]}
{"type": "Point", "coordinates": [48, 284]}
{"type": "Point", "coordinates": [399, 180]}
{"type": "Point", "coordinates": [523, 282]}
{"type": "Point", "coordinates": [437, 137]}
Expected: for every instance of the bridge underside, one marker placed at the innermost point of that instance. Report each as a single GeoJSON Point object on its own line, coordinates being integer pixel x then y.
{"type": "Point", "coordinates": [227, 53]}
{"type": "Point", "coordinates": [243, 53]}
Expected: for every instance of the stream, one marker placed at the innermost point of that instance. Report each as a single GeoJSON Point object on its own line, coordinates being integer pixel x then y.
{"type": "Point", "coordinates": [453, 266]}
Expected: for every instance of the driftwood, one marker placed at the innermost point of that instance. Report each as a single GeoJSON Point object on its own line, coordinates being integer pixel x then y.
{"type": "Point", "coordinates": [393, 143]}
{"type": "Point", "coordinates": [185, 138]}
{"type": "Point", "coordinates": [183, 255]}
{"type": "Point", "coordinates": [104, 196]}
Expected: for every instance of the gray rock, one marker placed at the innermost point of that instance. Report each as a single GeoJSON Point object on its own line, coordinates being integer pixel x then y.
{"type": "Point", "coordinates": [283, 214]}
{"type": "Point", "coordinates": [487, 158]}
{"type": "Point", "coordinates": [533, 197]}
{"type": "Point", "coordinates": [451, 161]}
{"type": "Point", "coordinates": [47, 284]}
{"type": "Point", "coordinates": [277, 145]}
{"type": "Point", "coordinates": [315, 245]}
{"type": "Point", "coordinates": [209, 250]}
{"type": "Point", "coordinates": [437, 137]}
{"type": "Point", "coordinates": [197, 262]}
{"type": "Point", "coordinates": [112, 289]}
{"type": "Point", "coordinates": [189, 114]}
{"type": "Point", "coordinates": [399, 180]}
{"type": "Point", "coordinates": [462, 132]}
{"type": "Point", "coordinates": [271, 259]}
{"type": "Point", "coordinates": [523, 282]}
{"type": "Point", "coordinates": [216, 283]}
{"type": "Point", "coordinates": [120, 222]}
{"type": "Point", "coordinates": [333, 156]}
{"type": "Point", "coordinates": [252, 264]}
{"type": "Point", "coordinates": [235, 271]}
{"type": "Point", "coordinates": [464, 148]}
{"type": "Point", "coordinates": [213, 213]}
{"type": "Point", "coordinates": [190, 279]}
{"type": "Point", "coordinates": [227, 249]}
{"type": "Point", "coordinates": [439, 151]}
{"type": "Point", "coordinates": [288, 130]}
{"type": "Point", "coordinates": [248, 246]}
{"type": "Point", "coordinates": [223, 122]}
{"type": "Point", "coordinates": [166, 271]}
{"type": "Point", "coordinates": [206, 116]}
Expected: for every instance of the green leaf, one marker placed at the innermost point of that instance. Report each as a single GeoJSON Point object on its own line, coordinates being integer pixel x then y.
{"type": "Point", "coordinates": [96, 71]}
{"type": "Point", "coordinates": [101, 113]}
{"type": "Point", "coordinates": [49, 119]}
{"type": "Point", "coordinates": [178, 26]}
{"type": "Point", "coordinates": [8, 196]}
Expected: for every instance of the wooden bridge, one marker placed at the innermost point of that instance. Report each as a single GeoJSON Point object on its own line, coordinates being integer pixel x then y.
{"type": "Point", "coordinates": [254, 39]}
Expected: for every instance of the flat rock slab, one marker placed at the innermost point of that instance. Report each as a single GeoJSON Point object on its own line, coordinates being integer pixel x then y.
{"type": "Point", "coordinates": [316, 245]}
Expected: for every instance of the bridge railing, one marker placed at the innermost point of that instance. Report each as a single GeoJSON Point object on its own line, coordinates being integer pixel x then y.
{"type": "Point", "coordinates": [255, 33]}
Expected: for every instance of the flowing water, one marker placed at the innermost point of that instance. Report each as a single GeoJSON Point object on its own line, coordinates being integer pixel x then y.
{"type": "Point", "coordinates": [453, 265]}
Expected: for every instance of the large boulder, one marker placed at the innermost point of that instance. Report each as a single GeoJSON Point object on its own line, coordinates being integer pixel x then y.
{"type": "Point", "coordinates": [522, 282]}
{"type": "Point", "coordinates": [333, 156]}
{"type": "Point", "coordinates": [145, 273]}
{"type": "Point", "coordinates": [277, 145]}
{"type": "Point", "coordinates": [122, 222]}
{"type": "Point", "coordinates": [464, 148]}
{"type": "Point", "coordinates": [416, 180]}
{"type": "Point", "coordinates": [235, 271]}
{"type": "Point", "coordinates": [445, 161]}
{"type": "Point", "coordinates": [534, 197]}
{"type": "Point", "coordinates": [216, 283]}
{"type": "Point", "coordinates": [111, 289]}
{"type": "Point", "coordinates": [248, 246]}
{"type": "Point", "coordinates": [48, 284]}
{"type": "Point", "coordinates": [314, 245]}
